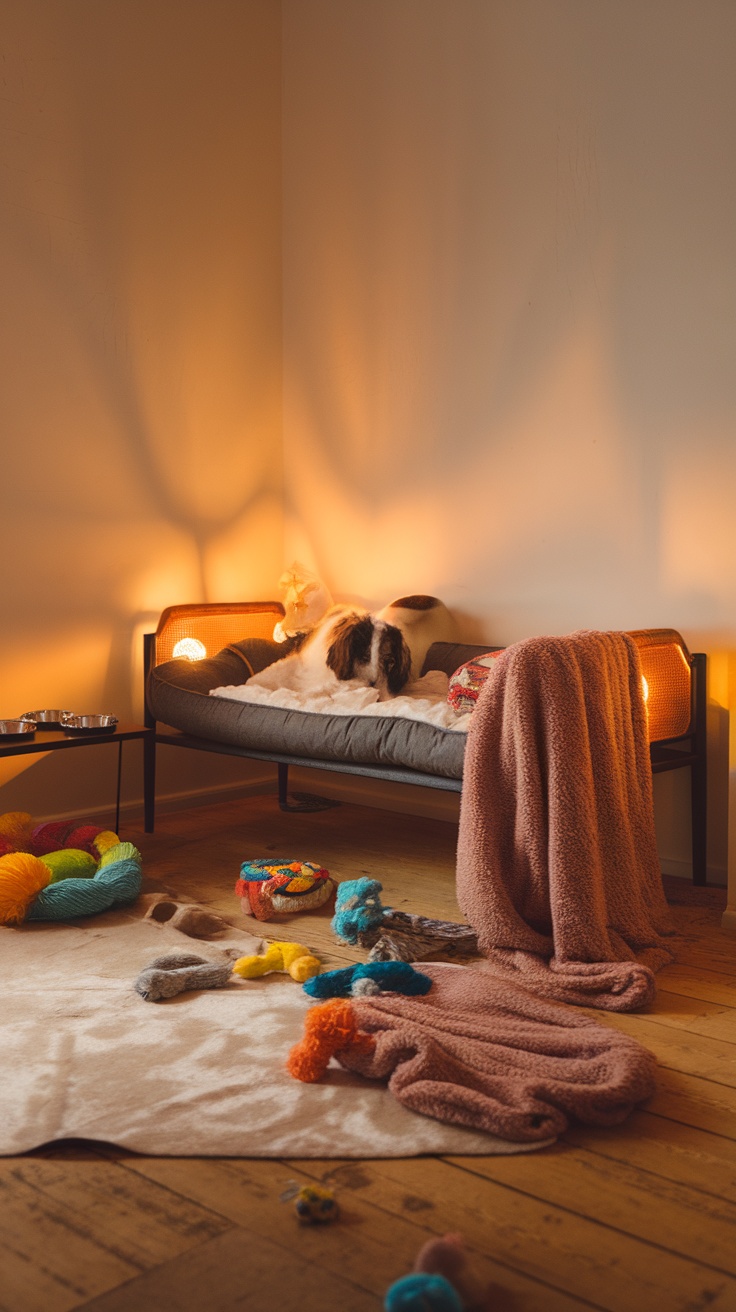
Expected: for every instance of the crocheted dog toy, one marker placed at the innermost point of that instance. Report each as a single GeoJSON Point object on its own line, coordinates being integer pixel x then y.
{"type": "Point", "coordinates": [177, 972]}
{"type": "Point", "coordinates": [395, 935]}
{"type": "Point", "coordinates": [292, 958]}
{"type": "Point", "coordinates": [275, 886]}
{"type": "Point", "coordinates": [364, 980]}
{"type": "Point", "coordinates": [329, 1028]}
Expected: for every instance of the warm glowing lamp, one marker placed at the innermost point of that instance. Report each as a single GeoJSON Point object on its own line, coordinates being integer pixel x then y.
{"type": "Point", "coordinates": [190, 649]}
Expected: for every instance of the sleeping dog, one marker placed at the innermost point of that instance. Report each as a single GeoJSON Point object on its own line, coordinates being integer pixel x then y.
{"type": "Point", "coordinates": [382, 651]}
{"type": "Point", "coordinates": [356, 645]}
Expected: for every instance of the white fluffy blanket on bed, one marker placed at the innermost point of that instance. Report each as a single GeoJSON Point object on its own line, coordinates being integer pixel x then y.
{"type": "Point", "coordinates": [282, 684]}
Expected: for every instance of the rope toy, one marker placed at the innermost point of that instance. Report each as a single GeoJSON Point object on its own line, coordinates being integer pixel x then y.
{"type": "Point", "coordinates": [291, 958]}
{"type": "Point", "coordinates": [279, 887]}
{"type": "Point", "coordinates": [176, 972]}
{"type": "Point", "coordinates": [329, 1029]}
{"type": "Point", "coordinates": [65, 881]}
{"type": "Point", "coordinates": [364, 980]}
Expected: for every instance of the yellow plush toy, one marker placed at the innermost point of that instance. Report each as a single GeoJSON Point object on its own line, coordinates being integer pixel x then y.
{"type": "Point", "coordinates": [291, 958]}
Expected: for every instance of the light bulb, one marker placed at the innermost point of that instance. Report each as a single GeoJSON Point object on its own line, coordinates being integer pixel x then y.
{"type": "Point", "coordinates": [190, 649]}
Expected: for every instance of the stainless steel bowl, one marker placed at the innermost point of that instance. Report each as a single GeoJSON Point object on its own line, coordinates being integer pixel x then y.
{"type": "Point", "coordinates": [45, 719]}
{"type": "Point", "coordinates": [16, 728]}
{"type": "Point", "coordinates": [89, 723]}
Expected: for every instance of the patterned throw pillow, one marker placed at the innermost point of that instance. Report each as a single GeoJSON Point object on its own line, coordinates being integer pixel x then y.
{"type": "Point", "coordinates": [467, 681]}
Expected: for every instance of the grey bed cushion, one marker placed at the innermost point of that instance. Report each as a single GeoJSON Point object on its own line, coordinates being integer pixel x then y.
{"type": "Point", "coordinates": [178, 696]}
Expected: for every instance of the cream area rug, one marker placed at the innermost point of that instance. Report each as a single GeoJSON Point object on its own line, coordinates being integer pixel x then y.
{"type": "Point", "coordinates": [200, 1074]}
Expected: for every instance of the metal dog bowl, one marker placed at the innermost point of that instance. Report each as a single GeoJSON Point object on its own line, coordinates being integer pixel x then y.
{"type": "Point", "coordinates": [16, 728]}
{"type": "Point", "coordinates": [89, 723]}
{"type": "Point", "coordinates": [45, 719]}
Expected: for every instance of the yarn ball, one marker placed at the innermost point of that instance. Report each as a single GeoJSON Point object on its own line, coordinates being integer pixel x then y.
{"type": "Point", "coordinates": [422, 1293]}
{"type": "Point", "coordinates": [104, 841]}
{"type": "Point", "coordinates": [22, 876]}
{"type": "Point", "coordinates": [16, 827]}
{"type": "Point", "coordinates": [83, 836]}
{"type": "Point", "coordinates": [69, 863]}
{"type": "Point", "coordinates": [49, 837]}
{"type": "Point", "coordinates": [5, 847]}
{"type": "Point", "coordinates": [357, 908]}
{"type": "Point", "coordinates": [115, 883]}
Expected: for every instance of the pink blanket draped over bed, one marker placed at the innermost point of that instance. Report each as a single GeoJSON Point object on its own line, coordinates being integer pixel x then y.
{"type": "Point", "coordinates": [557, 867]}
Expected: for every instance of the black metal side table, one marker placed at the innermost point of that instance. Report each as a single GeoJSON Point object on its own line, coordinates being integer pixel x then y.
{"type": "Point", "coordinates": [54, 740]}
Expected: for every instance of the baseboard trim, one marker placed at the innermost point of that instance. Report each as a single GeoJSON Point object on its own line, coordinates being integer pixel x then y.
{"type": "Point", "coordinates": [728, 920]}
{"type": "Point", "coordinates": [716, 875]}
{"type": "Point", "coordinates": [175, 801]}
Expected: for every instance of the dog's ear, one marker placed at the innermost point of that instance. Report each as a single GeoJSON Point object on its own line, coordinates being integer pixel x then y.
{"type": "Point", "coordinates": [394, 659]}
{"type": "Point", "coordinates": [350, 645]}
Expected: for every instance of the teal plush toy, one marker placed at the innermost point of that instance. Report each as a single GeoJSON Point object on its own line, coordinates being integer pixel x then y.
{"type": "Point", "coordinates": [358, 908]}
{"type": "Point", "coordinates": [374, 977]}
{"type": "Point", "coordinates": [422, 1293]}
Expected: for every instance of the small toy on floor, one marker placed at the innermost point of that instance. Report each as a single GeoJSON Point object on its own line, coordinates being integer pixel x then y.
{"type": "Point", "coordinates": [366, 980]}
{"type": "Point", "coordinates": [291, 958]}
{"type": "Point", "coordinates": [313, 1204]}
{"type": "Point", "coordinates": [179, 972]}
{"type": "Point", "coordinates": [395, 935]}
{"type": "Point", "coordinates": [329, 1028]}
{"type": "Point", "coordinates": [274, 886]}
{"type": "Point", "coordinates": [438, 1283]}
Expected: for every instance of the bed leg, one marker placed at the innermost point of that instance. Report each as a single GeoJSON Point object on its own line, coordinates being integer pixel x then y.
{"type": "Point", "coordinates": [283, 785]}
{"type": "Point", "coordinates": [699, 777]}
{"type": "Point", "coordinates": [300, 801]}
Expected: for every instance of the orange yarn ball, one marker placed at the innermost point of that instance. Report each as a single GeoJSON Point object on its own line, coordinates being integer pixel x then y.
{"type": "Point", "coordinates": [22, 876]}
{"type": "Point", "coordinates": [16, 827]}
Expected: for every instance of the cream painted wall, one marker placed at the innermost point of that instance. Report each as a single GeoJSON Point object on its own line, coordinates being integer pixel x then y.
{"type": "Point", "coordinates": [140, 331]}
{"type": "Point", "coordinates": [509, 322]}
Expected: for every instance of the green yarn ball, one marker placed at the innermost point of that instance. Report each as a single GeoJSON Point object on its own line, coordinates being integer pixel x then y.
{"type": "Point", "coordinates": [69, 863]}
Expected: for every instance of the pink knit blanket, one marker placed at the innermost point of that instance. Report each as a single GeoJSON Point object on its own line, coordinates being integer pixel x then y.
{"type": "Point", "coordinates": [481, 1052]}
{"type": "Point", "coordinates": [557, 867]}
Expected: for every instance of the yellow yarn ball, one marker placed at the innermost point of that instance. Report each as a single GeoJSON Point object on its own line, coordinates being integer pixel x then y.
{"type": "Point", "coordinates": [119, 852]}
{"type": "Point", "coordinates": [104, 841]}
{"type": "Point", "coordinates": [22, 876]}
{"type": "Point", "coordinates": [69, 863]}
{"type": "Point", "coordinates": [16, 828]}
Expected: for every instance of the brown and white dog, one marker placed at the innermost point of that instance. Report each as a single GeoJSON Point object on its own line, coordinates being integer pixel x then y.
{"type": "Point", "coordinates": [383, 651]}
{"type": "Point", "coordinates": [356, 645]}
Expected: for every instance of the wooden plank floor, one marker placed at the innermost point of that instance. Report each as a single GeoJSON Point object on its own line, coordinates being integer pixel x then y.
{"type": "Point", "coordinates": [640, 1218]}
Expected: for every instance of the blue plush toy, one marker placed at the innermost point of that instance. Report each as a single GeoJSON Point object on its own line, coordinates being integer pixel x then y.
{"type": "Point", "coordinates": [373, 977]}
{"type": "Point", "coordinates": [357, 908]}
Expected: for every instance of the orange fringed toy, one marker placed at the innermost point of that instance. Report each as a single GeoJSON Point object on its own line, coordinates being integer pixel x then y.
{"type": "Point", "coordinates": [329, 1029]}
